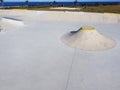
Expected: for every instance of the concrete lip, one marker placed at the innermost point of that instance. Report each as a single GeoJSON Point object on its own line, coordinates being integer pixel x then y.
{"type": "Point", "coordinates": [64, 8]}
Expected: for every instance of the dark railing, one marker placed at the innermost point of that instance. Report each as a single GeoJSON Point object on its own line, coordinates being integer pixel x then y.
{"type": "Point", "coordinates": [27, 3]}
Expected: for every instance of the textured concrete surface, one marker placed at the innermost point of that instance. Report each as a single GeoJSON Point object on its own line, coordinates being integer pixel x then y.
{"type": "Point", "coordinates": [33, 57]}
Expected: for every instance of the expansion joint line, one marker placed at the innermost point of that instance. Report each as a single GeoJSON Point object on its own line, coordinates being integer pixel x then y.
{"type": "Point", "coordinates": [70, 71]}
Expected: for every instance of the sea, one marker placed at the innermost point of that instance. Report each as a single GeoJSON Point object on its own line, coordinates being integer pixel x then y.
{"type": "Point", "coordinates": [51, 3]}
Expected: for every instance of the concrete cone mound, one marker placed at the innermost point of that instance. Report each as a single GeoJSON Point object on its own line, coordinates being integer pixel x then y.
{"type": "Point", "coordinates": [87, 38]}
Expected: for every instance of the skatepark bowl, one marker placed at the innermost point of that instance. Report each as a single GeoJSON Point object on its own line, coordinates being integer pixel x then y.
{"type": "Point", "coordinates": [33, 55]}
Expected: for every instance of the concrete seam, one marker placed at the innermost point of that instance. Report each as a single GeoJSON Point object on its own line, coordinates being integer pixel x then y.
{"type": "Point", "coordinates": [70, 71]}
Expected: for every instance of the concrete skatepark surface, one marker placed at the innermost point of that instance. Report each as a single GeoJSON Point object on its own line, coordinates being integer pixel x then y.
{"type": "Point", "coordinates": [32, 57]}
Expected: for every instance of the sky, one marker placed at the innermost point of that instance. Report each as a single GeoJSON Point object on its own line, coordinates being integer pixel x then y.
{"type": "Point", "coordinates": [64, 0]}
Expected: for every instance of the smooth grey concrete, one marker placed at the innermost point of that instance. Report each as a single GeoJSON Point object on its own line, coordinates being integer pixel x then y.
{"type": "Point", "coordinates": [33, 58]}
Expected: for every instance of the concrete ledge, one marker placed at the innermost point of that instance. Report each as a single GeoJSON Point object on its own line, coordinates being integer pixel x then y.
{"type": "Point", "coordinates": [12, 21]}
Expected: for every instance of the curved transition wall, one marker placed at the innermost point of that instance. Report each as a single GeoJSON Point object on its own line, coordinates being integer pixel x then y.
{"type": "Point", "coordinates": [83, 17]}
{"type": "Point", "coordinates": [64, 16]}
{"type": "Point", "coordinates": [15, 12]}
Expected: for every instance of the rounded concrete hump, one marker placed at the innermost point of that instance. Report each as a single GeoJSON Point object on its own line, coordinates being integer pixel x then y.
{"type": "Point", "coordinates": [87, 38]}
{"type": "Point", "coordinates": [13, 21]}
